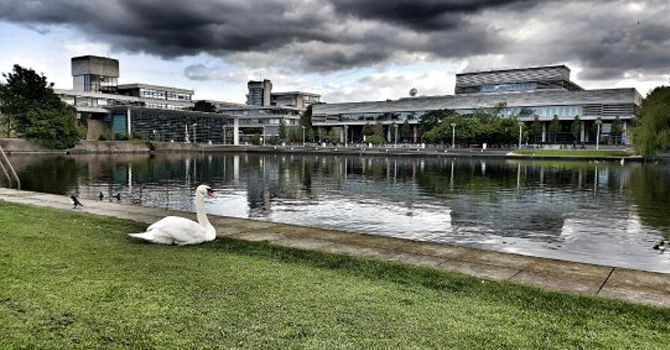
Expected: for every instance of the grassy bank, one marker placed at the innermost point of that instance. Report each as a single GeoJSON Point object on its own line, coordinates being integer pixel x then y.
{"type": "Point", "coordinates": [574, 153]}
{"type": "Point", "coordinates": [71, 280]}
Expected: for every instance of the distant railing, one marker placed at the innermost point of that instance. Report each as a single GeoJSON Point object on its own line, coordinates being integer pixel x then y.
{"type": "Point", "coordinates": [5, 164]}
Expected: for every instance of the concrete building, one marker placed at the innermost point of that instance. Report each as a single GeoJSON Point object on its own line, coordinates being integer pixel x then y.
{"type": "Point", "coordinates": [154, 112]}
{"type": "Point", "coordinates": [259, 93]}
{"type": "Point", "coordinates": [265, 109]}
{"type": "Point", "coordinates": [95, 74]}
{"type": "Point", "coordinates": [529, 93]}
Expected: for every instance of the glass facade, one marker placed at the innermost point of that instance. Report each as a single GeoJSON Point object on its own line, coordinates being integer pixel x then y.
{"type": "Point", "coordinates": [178, 126]}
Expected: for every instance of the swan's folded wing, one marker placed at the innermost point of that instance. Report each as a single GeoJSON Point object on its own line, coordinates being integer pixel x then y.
{"type": "Point", "coordinates": [177, 228]}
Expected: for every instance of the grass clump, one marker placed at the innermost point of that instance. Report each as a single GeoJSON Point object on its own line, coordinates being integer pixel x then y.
{"type": "Point", "coordinates": [73, 280]}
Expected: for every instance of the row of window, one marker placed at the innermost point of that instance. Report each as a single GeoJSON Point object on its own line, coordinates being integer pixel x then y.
{"type": "Point", "coordinates": [258, 112]}
{"type": "Point", "coordinates": [268, 121]}
{"type": "Point", "coordinates": [546, 111]}
{"type": "Point", "coordinates": [164, 95]}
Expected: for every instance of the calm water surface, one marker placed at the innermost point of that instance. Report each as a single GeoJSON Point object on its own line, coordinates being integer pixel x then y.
{"type": "Point", "coordinates": [602, 213]}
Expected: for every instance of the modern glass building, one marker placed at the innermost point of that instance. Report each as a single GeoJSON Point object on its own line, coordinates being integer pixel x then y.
{"type": "Point", "coordinates": [529, 93]}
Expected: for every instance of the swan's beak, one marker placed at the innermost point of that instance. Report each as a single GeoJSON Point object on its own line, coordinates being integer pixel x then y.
{"type": "Point", "coordinates": [210, 193]}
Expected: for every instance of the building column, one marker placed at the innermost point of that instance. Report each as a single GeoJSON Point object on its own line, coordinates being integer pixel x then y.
{"type": "Point", "coordinates": [544, 131]}
{"type": "Point", "coordinates": [388, 134]}
{"type": "Point", "coordinates": [414, 133]}
{"type": "Point", "coordinates": [343, 135]}
{"type": "Point", "coordinates": [128, 127]}
{"type": "Point", "coordinates": [236, 131]}
{"type": "Point", "coordinates": [582, 133]}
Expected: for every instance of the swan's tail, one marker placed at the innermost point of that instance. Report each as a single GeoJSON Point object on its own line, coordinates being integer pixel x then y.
{"type": "Point", "coordinates": [145, 236]}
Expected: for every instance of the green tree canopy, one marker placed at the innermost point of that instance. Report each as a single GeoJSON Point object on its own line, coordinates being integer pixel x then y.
{"type": "Point", "coordinates": [405, 130]}
{"type": "Point", "coordinates": [282, 129]}
{"type": "Point", "coordinates": [306, 121]}
{"type": "Point", "coordinates": [379, 129]}
{"type": "Point", "coordinates": [30, 106]}
{"type": "Point", "coordinates": [576, 128]}
{"type": "Point", "coordinates": [536, 129]}
{"type": "Point", "coordinates": [554, 127]}
{"type": "Point", "coordinates": [204, 106]}
{"type": "Point", "coordinates": [393, 129]}
{"type": "Point", "coordinates": [652, 132]}
{"type": "Point", "coordinates": [368, 129]}
{"type": "Point", "coordinates": [431, 119]}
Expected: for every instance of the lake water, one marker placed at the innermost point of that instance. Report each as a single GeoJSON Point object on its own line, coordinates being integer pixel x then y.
{"type": "Point", "coordinates": [602, 213]}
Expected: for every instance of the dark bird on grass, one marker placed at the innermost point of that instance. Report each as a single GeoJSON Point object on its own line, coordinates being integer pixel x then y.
{"type": "Point", "coordinates": [117, 196]}
{"type": "Point", "coordinates": [101, 196]}
{"type": "Point", "coordinates": [75, 202]}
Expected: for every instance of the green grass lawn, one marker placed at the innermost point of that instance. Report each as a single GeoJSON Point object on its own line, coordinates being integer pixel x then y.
{"type": "Point", "coordinates": [73, 280]}
{"type": "Point", "coordinates": [574, 153]}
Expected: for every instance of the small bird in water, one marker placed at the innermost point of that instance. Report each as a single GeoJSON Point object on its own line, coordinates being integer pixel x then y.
{"type": "Point", "coordinates": [660, 246]}
{"type": "Point", "coordinates": [117, 196]}
{"type": "Point", "coordinates": [101, 196]}
{"type": "Point", "coordinates": [622, 161]}
{"type": "Point", "coordinates": [75, 202]}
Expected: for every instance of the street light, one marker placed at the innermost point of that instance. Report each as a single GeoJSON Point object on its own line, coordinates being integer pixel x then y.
{"type": "Point", "coordinates": [303, 135]}
{"type": "Point", "coordinates": [520, 132]}
{"type": "Point", "coordinates": [598, 122]}
{"type": "Point", "coordinates": [453, 135]}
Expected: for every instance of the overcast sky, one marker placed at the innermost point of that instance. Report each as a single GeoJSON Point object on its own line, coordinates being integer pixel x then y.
{"type": "Point", "coordinates": [346, 50]}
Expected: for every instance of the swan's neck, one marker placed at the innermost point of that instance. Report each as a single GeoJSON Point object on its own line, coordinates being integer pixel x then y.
{"type": "Point", "coordinates": [200, 212]}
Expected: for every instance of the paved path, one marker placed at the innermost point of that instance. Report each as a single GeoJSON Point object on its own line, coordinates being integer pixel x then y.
{"type": "Point", "coordinates": [619, 283]}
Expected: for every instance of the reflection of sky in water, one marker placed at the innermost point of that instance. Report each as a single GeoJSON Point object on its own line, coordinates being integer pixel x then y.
{"type": "Point", "coordinates": [598, 213]}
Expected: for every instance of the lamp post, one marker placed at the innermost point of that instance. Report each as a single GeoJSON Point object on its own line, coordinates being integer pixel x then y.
{"type": "Point", "coordinates": [453, 135]}
{"type": "Point", "coordinates": [195, 139]}
{"type": "Point", "coordinates": [598, 122]}
{"type": "Point", "coordinates": [303, 135]}
{"type": "Point", "coordinates": [520, 132]}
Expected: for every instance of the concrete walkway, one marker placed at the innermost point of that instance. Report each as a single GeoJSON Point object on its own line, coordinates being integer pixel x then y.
{"type": "Point", "coordinates": [619, 283]}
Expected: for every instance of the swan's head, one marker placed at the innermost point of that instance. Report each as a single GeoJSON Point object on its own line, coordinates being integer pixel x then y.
{"type": "Point", "coordinates": [205, 191]}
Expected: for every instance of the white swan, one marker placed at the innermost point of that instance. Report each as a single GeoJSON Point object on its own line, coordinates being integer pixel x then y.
{"type": "Point", "coordinates": [182, 231]}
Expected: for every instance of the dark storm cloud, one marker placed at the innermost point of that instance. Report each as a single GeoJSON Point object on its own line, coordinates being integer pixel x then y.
{"type": "Point", "coordinates": [420, 15]}
{"type": "Point", "coordinates": [607, 38]}
{"type": "Point", "coordinates": [172, 28]}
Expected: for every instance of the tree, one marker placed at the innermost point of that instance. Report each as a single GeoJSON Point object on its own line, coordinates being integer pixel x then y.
{"type": "Point", "coordinates": [405, 130]}
{"type": "Point", "coordinates": [306, 121]}
{"type": "Point", "coordinates": [295, 133]}
{"type": "Point", "coordinates": [282, 129]}
{"type": "Point", "coordinates": [576, 128]}
{"type": "Point", "coordinates": [652, 132]}
{"type": "Point", "coordinates": [393, 129]}
{"type": "Point", "coordinates": [616, 130]}
{"type": "Point", "coordinates": [431, 119]}
{"type": "Point", "coordinates": [379, 129]}
{"type": "Point", "coordinates": [368, 129]}
{"type": "Point", "coordinates": [536, 129]}
{"type": "Point", "coordinates": [32, 110]}
{"type": "Point", "coordinates": [204, 106]}
{"type": "Point", "coordinates": [332, 136]}
{"type": "Point", "coordinates": [554, 128]}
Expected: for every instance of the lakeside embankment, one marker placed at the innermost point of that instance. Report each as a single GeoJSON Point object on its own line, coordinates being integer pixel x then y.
{"type": "Point", "coordinates": [581, 278]}
{"type": "Point", "coordinates": [74, 280]}
{"type": "Point", "coordinates": [85, 147]}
